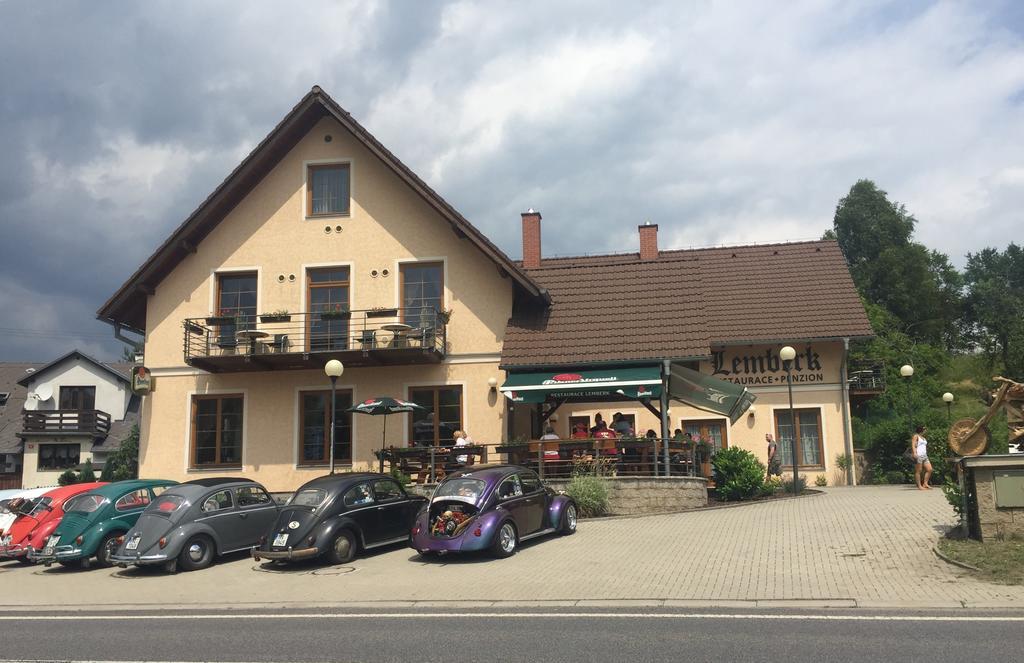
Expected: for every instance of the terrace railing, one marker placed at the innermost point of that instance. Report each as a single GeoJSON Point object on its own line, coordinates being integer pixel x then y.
{"type": "Point", "coordinates": [372, 336]}
{"type": "Point", "coordinates": [66, 422]}
{"type": "Point", "coordinates": [866, 377]}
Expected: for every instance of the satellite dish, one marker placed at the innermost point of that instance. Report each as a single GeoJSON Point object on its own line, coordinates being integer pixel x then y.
{"type": "Point", "coordinates": [31, 403]}
{"type": "Point", "coordinates": [44, 392]}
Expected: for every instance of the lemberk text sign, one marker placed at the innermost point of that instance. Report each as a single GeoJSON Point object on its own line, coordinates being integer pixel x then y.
{"type": "Point", "coordinates": [754, 366]}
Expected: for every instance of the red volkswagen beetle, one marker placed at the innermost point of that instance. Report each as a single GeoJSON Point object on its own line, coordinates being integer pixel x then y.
{"type": "Point", "coordinates": [32, 528]}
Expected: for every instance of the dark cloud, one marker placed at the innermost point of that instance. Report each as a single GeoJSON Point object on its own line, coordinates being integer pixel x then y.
{"type": "Point", "coordinates": [722, 122]}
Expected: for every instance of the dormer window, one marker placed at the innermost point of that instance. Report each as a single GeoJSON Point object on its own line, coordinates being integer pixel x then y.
{"type": "Point", "coordinates": [328, 190]}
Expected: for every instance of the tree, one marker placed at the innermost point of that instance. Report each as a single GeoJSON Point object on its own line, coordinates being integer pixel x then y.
{"type": "Point", "coordinates": [995, 305]}
{"type": "Point", "coordinates": [920, 287]}
{"type": "Point", "coordinates": [86, 474]}
{"type": "Point", "coordinates": [124, 462]}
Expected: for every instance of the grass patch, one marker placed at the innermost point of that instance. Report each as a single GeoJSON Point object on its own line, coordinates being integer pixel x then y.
{"type": "Point", "coordinates": [998, 561]}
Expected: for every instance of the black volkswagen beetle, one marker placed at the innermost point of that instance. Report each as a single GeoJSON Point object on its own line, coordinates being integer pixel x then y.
{"type": "Point", "coordinates": [191, 523]}
{"type": "Point", "coordinates": [338, 515]}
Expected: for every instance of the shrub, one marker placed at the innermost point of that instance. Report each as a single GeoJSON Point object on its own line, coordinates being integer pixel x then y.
{"type": "Point", "coordinates": [787, 485]}
{"type": "Point", "coordinates": [821, 481]}
{"type": "Point", "coordinates": [738, 474]}
{"type": "Point", "coordinates": [86, 474]}
{"type": "Point", "coordinates": [590, 494]}
{"type": "Point", "coordinates": [896, 477]}
{"type": "Point", "coordinates": [123, 463]}
{"type": "Point", "coordinates": [771, 486]}
{"type": "Point", "coordinates": [951, 489]}
{"type": "Point", "coordinates": [67, 478]}
{"type": "Point", "coordinates": [400, 476]}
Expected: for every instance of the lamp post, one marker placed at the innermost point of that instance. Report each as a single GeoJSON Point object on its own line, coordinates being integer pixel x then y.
{"type": "Point", "coordinates": [333, 369]}
{"type": "Point", "coordinates": [907, 371]}
{"type": "Point", "coordinates": [947, 398]}
{"type": "Point", "coordinates": [788, 354]}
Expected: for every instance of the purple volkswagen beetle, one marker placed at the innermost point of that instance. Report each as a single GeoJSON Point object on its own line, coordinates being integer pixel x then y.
{"type": "Point", "coordinates": [490, 507]}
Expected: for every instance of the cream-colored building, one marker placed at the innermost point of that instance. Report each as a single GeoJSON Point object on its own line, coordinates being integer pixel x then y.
{"type": "Point", "coordinates": [322, 245]}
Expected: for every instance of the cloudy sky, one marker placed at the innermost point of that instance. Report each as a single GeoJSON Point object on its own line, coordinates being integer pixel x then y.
{"type": "Point", "coordinates": [724, 122]}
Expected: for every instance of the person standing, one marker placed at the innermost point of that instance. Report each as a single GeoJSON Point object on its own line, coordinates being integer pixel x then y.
{"type": "Point", "coordinates": [774, 462]}
{"type": "Point", "coordinates": [598, 424]}
{"type": "Point", "coordinates": [919, 447]}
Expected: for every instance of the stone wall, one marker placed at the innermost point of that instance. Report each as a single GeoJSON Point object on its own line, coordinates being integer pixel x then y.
{"type": "Point", "coordinates": [639, 495]}
{"type": "Point", "coordinates": [995, 522]}
{"type": "Point", "coordinates": [635, 495]}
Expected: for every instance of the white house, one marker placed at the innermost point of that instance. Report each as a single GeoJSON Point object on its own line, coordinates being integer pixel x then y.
{"type": "Point", "coordinates": [60, 414]}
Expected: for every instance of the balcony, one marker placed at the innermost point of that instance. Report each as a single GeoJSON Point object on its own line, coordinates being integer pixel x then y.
{"type": "Point", "coordinates": [66, 422]}
{"type": "Point", "coordinates": [295, 341]}
{"type": "Point", "coordinates": [866, 378]}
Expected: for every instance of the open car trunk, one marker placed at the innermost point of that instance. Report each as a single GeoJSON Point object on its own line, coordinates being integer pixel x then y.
{"type": "Point", "coordinates": [449, 517]}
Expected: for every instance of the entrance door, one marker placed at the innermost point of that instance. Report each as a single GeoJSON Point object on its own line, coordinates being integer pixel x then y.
{"type": "Point", "coordinates": [709, 431]}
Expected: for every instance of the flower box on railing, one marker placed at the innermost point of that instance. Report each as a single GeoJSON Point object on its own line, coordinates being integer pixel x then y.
{"type": "Point", "coordinates": [335, 315]}
{"type": "Point", "coordinates": [275, 317]}
{"type": "Point", "coordinates": [382, 313]}
{"type": "Point", "coordinates": [221, 320]}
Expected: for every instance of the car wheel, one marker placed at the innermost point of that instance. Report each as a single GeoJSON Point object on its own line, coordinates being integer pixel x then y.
{"type": "Point", "coordinates": [569, 517]}
{"type": "Point", "coordinates": [107, 547]}
{"type": "Point", "coordinates": [197, 553]}
{"type": "Point", "coordinates": [343, 548]}
{"type": "Point", "coordinates": [506, 540]}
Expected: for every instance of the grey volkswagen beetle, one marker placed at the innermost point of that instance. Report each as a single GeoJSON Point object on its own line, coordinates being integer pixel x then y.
{"type": "Point", "coordinates": [191, 523]}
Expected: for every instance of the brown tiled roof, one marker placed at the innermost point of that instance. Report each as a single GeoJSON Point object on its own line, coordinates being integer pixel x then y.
{"type": "Point", "coordinates": [617, 308]}
{"type": "Point", "coordinates": [127, 306]}
{"type": "Point", "coordinates": [10, 414]}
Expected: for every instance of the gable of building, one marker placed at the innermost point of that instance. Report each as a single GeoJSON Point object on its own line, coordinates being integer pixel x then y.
{"type": "Point", "coordinates": [127, 307]}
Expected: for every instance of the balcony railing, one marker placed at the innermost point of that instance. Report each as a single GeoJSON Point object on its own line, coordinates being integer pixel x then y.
{"type": "Point", "coordinates": [369, 337]}
{"type": "Point", "coordinates": [66, 422]}
{"type": "Point", "coordinates": [866, 377]}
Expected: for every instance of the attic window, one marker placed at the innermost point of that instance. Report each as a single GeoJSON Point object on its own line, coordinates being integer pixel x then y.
{"type": "Point", "coordinates": [327, 190]}
{"type": "Point", "coordinates": [4, 395]}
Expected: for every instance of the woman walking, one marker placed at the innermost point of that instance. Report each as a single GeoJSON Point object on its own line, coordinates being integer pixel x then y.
{"type": "Point", "coordinates": [919, 448]}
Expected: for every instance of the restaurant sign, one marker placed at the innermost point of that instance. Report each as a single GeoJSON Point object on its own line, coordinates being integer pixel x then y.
{"type": "Point", "coordinates": [633, 383]}
{"type": "Point", "coordinates": [763, 366]}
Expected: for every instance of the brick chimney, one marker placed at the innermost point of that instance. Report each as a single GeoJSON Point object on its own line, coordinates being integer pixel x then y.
{"type": "Point", "coordinates": [649, 241]}
{"type": "Point", "coordinates": [531, 239]}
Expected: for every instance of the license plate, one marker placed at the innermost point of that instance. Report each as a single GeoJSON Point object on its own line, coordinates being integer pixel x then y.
{"type": "Point", "coordinates": [133, 543]}
{"type": "Point", "coordinates": [281, 540]}
{"type": "Point", "coordinates": [51, 543]}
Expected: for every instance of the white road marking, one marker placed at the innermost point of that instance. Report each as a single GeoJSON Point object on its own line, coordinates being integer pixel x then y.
{"type": "Point", "coordinates": [532, 615]}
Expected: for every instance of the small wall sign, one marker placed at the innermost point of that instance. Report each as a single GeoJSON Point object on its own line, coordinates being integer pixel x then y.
{"type": "Point", "coordinates": [142, 380]}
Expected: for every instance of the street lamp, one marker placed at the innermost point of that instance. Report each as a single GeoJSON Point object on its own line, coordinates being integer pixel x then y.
{"type": "Point", "coordinates": [907, 371]}
{"type": "Point", "coordinates": [788, 354]}
{"type": "Point", "coordinates": [333, 369]}
{"type": "Point", "coordinates": [948, 400]}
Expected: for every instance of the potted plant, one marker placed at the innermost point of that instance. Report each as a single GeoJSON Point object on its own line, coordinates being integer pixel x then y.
{"type": "Point", "coordinates": [444, 315]}
{"type": "Point", "coordinates": [225, 317]}
{"type": "Point", "coordinates": [336, 312]}
{"type": "Point", "coordinates": [280, 315]}
{"type": "Point", "coordinates": [382, 312]}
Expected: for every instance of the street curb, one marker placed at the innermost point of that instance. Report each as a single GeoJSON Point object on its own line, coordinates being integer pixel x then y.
{"type": "Point", "coordinates": [431, 604]}
{"type": "Point", "coordinates": [949, 560]}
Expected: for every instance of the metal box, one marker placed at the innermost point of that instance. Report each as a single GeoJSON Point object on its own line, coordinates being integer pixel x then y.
{"type": "Point", "coordinates": [1009, 488]}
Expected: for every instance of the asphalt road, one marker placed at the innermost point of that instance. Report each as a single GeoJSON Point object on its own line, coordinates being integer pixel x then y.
{"type": "Point", "coordinates": [515, 635]}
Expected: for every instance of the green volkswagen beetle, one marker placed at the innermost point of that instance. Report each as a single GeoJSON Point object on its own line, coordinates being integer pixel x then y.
{"type": "Point", "coordinates": [93, 521]}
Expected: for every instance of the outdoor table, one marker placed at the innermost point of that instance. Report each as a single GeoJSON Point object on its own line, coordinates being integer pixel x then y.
{"type": "Point", "coordinates": [400, 330]}
{"type": "Point", "coordinates": [251, 336]}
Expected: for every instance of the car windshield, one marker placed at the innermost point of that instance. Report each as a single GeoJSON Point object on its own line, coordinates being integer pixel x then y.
{"type": "Point", "coordinates": [313, 497]}
{"type": "Point", "coordinates": [84, 503]}
{"type": "Point", "coordinates": [467, 489]}
{"type": "Point", "coordinates": [40, 507]}
{"type": "Point", "coordinates": [166, 504]}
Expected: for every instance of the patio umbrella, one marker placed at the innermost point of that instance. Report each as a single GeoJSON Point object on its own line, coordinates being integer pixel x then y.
{"type": "Point", "coordinates": [385, 405]}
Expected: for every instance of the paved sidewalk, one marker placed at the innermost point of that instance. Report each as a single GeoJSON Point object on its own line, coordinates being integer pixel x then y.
{"type": "Point", "coordinates": [869, 546]}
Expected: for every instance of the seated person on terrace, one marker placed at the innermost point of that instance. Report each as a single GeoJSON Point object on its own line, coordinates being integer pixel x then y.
{"type": "Point", "coordinates": [579, 431]}
{"type": "Point", "coordinates": [549, 434]}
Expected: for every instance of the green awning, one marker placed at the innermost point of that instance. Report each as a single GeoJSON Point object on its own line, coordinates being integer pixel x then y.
{"type": "Point", "coordinates": [630, 383]}
{"type": "Point", "coordinates": [708, 393]}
